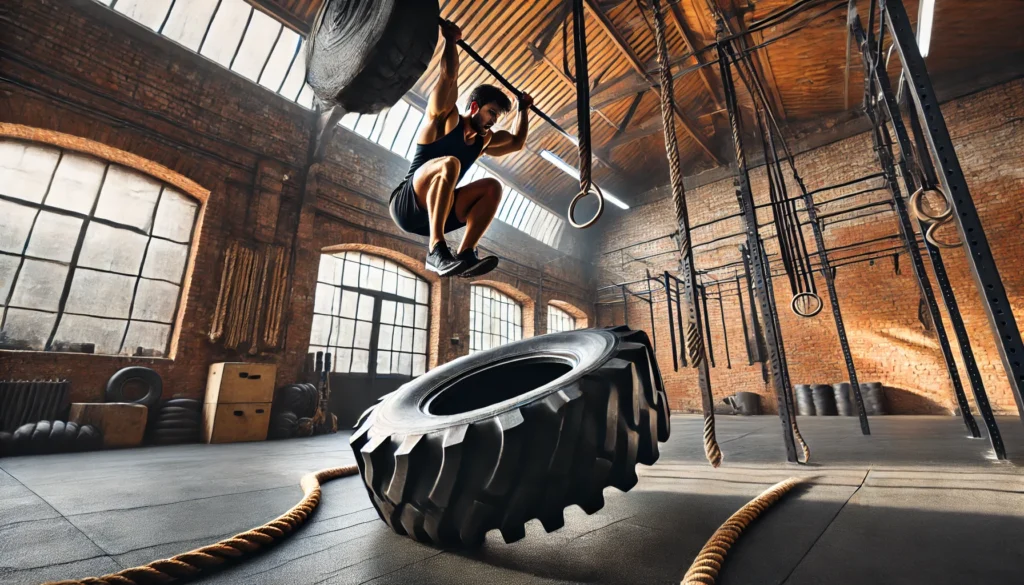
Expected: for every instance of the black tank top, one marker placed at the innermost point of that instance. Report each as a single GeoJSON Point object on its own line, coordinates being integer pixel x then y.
{"type": "Point", "coordinates": [451, 144]}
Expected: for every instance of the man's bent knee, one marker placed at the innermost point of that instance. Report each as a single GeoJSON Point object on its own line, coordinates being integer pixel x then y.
{"type": "Point", "coordinates": [492, 188]}
{"type": "Point", "coordinates": [450, 167]}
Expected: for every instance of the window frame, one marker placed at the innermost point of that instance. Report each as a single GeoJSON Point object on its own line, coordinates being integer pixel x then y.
{"type": "Point", "coordinates": [519, 328]}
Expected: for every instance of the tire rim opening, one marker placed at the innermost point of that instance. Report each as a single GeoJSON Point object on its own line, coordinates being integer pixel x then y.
{"type": "Point", "coordinates": [497, 383]}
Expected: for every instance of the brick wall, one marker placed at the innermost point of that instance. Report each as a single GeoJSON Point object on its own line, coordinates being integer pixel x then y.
{"type": "Point", "coordinates": [78, 68]}
{"type": "Point", "coordinates": [880, 306]}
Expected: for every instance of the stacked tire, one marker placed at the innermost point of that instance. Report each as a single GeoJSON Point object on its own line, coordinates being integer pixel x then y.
{"type": "Point", "coordinates": [50, 437]}
{"type": "Point", "coordinates": [824, 400]}
{"type": "Point", "coordinates": [874, 398]}
{"type": "Point", "coordinates": [293, 411]}
{"type": "Point", "coordinates": [804, 400]}
{"type": "Point", "coordinates": [497, 438]}
{"type": "Point", "coordinates": [177, 421]}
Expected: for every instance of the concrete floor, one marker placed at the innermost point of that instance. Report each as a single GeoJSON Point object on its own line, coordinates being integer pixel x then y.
{"type": "Point", "coordinates": [916, 502]}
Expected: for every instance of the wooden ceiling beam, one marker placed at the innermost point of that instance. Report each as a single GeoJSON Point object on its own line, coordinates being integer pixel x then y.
{"type": "Point", "coordinates": [649, 128]}
{"type": "Point", "coordinates": [634, 61]}
{"type": "Point", "coordinates": [543, 59]}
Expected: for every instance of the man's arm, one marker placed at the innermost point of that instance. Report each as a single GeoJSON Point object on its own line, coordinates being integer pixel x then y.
{"type": "Point", "coordinates": [441, 102]}
{"type": "Point", "coordinates": [503, 142]}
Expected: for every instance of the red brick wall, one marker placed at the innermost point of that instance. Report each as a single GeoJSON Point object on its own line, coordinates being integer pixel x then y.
{"type": "Point", "coordinates": [879, 307]}
{"type": "Point", "coordinates": [83, 70]}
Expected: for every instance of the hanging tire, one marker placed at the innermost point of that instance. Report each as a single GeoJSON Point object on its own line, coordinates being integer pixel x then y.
{"type": "Point", "coordinates": [365, 55]}
{"type": "Point", "coordinates": [497, 438]}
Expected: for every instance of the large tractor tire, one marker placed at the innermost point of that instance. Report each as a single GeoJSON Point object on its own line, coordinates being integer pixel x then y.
{"type": "Point", "coordinates": [364, 55]}
{"type": "Point", "coordinates": [497, 438]}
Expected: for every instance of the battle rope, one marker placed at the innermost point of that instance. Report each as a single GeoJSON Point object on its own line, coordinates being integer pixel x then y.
{"type": "Point", "coordinates": [190, 564]}
{"type": "Point", "coordinates": [705, 568]}
{"type": "Point", "coordinates": [587, 186]}
{"type": "Point", "coordinates": [694, 339]}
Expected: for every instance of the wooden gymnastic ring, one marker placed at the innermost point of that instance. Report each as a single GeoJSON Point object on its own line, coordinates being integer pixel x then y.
{"type": "Point", "coordinates": [921, 214]}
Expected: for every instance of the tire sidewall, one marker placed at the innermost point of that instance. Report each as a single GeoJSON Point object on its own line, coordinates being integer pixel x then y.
{"type": "Point", "coordinates": [404, 411]}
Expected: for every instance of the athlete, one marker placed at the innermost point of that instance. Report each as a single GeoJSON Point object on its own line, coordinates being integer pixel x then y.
{"type": "Point", "coordinates": [427, 202]}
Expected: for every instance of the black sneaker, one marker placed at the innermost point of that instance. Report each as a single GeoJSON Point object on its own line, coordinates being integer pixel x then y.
{"type": "Point", "coordinates": [476, 266]}
{"type": "Point", "coordinates": [441, 261]}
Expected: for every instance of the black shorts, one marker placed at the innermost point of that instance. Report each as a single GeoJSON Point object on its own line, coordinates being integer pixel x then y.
{"type": "Point", "coordinates": [412, 218]}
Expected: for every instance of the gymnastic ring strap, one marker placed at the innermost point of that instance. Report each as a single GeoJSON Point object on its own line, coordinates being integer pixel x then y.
{"type": "Point", "coordinates": [817, 308]}
{"type": "Point", "coordinates": [575, 200]}
{"type": "Point", "coordinates": [919, 211]}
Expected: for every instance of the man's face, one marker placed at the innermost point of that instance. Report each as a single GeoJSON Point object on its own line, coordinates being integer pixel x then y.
{"type": "Point", "coordinates": [482, 118]}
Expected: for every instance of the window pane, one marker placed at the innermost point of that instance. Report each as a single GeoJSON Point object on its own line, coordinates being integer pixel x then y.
{"type": "Point", "coordinates": [76, 183]}
{"type": "Point", "coordinates": [365, 308]}
{"type": "Point", "coordinates": [329, 270]}
{"type": "Point", "coordinates": [419, 364]}
{"type": "Point", "coordinates": [155, 300]}
{"type": "Point", "coordinates": [320, 332]}
{"type": "Point", "coordinates": [378, 125]}
{"type": "Point", "coordinates": [387, 312]}
{"type": "Point", "coordinates": [151, 337]}
{"type": "Point", "coordinates": [305, 98]}
{"type": "Point", "coordinates": [8, 266]}
{"type": "Point", "coordinates": [101, 294]}
{"type": "Point", "coordinates": [54, 236]}
{"type": "Point", "coordinates": [374, 278]}
{"type": "Point", "coordinates": [280, 59]}
{"type": "Point", "coordinates": [346, 329]}
{"type": "Point", "coordinates": [349, 120]}
{"type": "Point", "coordinates": [419, 344]}
{"type": "Point", "coordinates": [406, 287]}
{"type": "Point", "coordinates": [383, 362]}
{"type": "Point", "coordinates": [39, 285]}
{"type": "Point", "coordinates": [365, 125]}
{"type": "Point", "coordinates": [385, 336]}
{"type": "Point", "coordinates": [405, 364]}
{"type": "Point", "coordinates": [393, 123]}
{"type": "Point", "coordinates": [109, 248]}
{"type": "Point", "coordinates": [342, 360]}
{"type": "Point", "coordinates": [106, 334]}
{"type": "Point", "coordinates": [296, 75]}
{"type": "Point", "coordinates": [421, 316]}
{"type": "Point", "coordinates": [390, 284]}
{"type": "Point", "coordinates": [128, 197]}
{"type": "Point", "coordinates": [188, 21]}
{"type": "Point", "coordinates": [351, 273]}
{"type": "Point", "coordinates": [15, 224]}
{"type": "Point", "coordinates": [362, 339]}
{"type": "Point", "coordinates": [148, 13]}
{"type": "Point", "coordinates": [360, 361]}
{"type": "Point", "coordinates": [25, 170]}
{"type": "Point", "coordinates": [256, 45]}
{"type": "Point", "coordinates": [226, 31]}
{"type": "Point", "coordinates": [175, 216]}
{"type": "Point", "coordinates": [421, 292]}
{"type": "Point", "coordinates": [349, 301]}
{"type": "Point", "coordinates": [26, 329]}
{"type": "Point", "coordinates": [407, 133]}
{"type": "Point", "coordinates": [323, 299]}
{"type": "Point", "coordinates": [165, 260]}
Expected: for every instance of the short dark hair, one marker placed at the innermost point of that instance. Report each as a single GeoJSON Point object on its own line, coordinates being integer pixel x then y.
{"type": "Point", "coordinates": [485, 94]}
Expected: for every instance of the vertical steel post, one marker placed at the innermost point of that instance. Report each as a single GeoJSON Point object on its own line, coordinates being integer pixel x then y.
{"type": "Point", "coordinates": [671, 323]}
{"type": "Point", "coordinates": [979, 254]}
{"type": "Point", "coordinates": [746, 202]}
{"type": "Point", "coordinates": [650, 307]}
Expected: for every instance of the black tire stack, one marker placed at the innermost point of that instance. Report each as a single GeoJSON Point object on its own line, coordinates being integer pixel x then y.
{"type": "Point", "coordinates": [846, 404]}
{"type": "Point", "coordinates": [50, 437]}
{"type": "Point", "coordinates": [824, 400]}
{"type": "Point", "coordinates": [874, 398]}
{"type": "Point", "coordinates": [294, 407]}
{"type": "Point", "coordinates": [177, 421]}
{"type": "Point", "coordinates": [804, 400]}
{"type": "Point", "coordinates": [447, 478]}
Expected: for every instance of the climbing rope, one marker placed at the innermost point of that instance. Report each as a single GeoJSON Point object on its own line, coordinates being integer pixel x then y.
{"type": "Point", "coordinates": [694, 339]}
{"type": "Point", "coordinates": [705, 568]}
{"type": "Point", "coordinates": [582, 78]}
{"type": "Point", "coordinates": [190, 564]}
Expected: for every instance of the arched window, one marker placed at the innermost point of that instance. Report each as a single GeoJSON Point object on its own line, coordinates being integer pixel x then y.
{"type": "Point", "coordinates": [494, 319]}
{"type": "Point", "coordinates": [371, 315]}
{"type": "Point", "coordinates": [92, 254]}
{"type": "Point", "coordinates": [559, 320]}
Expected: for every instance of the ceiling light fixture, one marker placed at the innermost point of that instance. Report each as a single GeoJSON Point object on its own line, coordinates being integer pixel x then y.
{"type": "Point", "coordinates": [572, 172]}
{"type": "Point", "coordinates": [924, 29]}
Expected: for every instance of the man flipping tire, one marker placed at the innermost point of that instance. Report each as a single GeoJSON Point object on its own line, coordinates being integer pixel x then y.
{"type": "Point", "coordinates": [427, 202]}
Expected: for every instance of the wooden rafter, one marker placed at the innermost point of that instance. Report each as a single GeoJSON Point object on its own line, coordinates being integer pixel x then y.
{"type": "Point", "coordinates": [542, 59]}
{"type": "Point", "coordinates": [705, 72]}
{"type": "Point", "coordinates": [634, 61]}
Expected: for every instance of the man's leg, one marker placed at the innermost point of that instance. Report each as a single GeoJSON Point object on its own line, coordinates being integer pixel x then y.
{"type": "Point", "coordinates": [475, 205]}
{"type": "Point", "coordinates": [434, 184]}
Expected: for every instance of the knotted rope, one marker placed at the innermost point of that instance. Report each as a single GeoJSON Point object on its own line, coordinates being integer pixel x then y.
{"type": "Point", "coordinates": [705, 568]}
{"type": "Point", "coordinates": [190, 564]}
{"type": "Point", "coordinates": [694, 339]}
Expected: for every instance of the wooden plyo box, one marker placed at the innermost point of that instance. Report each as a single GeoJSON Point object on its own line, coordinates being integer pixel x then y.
{"type": "Point", "coordinates": [239, 382]}
{"type": "Point", "coordinates": [122, 424]}
{"type": "Point", "coordinates": [238, 400]}
{"type": "Point", "coordinates": [236, 423]}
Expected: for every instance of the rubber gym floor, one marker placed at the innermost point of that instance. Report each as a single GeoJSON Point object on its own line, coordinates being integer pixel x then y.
{"type": "Point", "coordinates": [916, 502]}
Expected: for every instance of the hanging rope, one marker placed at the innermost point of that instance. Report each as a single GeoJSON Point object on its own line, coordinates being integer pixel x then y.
{"type": "Point", "coordinates": [587, 186]}
{"type": "Point", "coordinates": [191, 564]}
{"type": "Point", "coordinates": [705, 568]}
{"type": "Point", "coordinates": [694, 339]}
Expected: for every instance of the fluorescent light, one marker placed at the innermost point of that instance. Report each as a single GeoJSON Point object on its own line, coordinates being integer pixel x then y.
{"type": "Point", "coordinates": [572, 172]}
{"type": "Point", "coordinates": [924, 25]}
